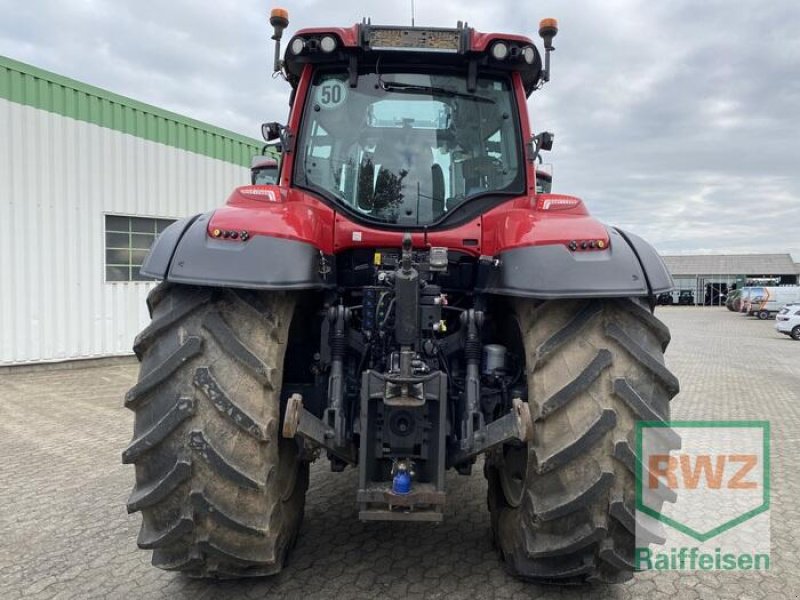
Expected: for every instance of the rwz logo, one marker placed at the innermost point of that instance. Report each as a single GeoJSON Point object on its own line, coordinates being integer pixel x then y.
{"type": "Point", "coordinates": [713, 472]}
{"type": "Point", "coordinates": [716, 480]}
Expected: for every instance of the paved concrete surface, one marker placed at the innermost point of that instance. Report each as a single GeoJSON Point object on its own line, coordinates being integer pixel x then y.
{"type": "Point", "coordinates": [64, 532]}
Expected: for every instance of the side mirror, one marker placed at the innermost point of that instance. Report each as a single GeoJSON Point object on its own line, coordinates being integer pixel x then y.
{"type": "Point", "coordinates": [545, 140]}
{"type": "Point", "coordinates": [541, 141]}
{"type": "Point", "coordinates": [271, 131]}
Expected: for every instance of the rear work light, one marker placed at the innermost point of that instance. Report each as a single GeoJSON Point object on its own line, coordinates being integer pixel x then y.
{"type": "Point", "coordinates": [499, 50]}
{"type": "Point", "coordinates": [529, 54]}
{"type": "Point", "coordinates": [328, 43]}
{"type": "Point", "coordinates": [503, 50]}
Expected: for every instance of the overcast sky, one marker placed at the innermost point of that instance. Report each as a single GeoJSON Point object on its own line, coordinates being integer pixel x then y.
{"type": "Point", "coordinates": [678, 120]}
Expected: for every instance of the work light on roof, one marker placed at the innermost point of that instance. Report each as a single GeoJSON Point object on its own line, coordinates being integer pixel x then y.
{"type": "Point", "coordinates": [499, 50]}
{"type": "Point", "coordinates": [327, 43]}
{"type": "Point", "coordinates": [298, 45]}
{"type": "Point", "coordinates": [529, 54]}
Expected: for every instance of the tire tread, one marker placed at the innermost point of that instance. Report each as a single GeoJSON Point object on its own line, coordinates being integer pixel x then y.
{"type": "Point", "coordinates": [574, 524]}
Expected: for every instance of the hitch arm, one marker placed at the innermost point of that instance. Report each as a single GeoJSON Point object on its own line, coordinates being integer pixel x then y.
{"type": "Point", "coordinates": [299, 422]}
{"type": "Point", "coordinates": [516, 426]}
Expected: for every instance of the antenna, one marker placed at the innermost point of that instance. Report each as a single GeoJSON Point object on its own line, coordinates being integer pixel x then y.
{"type": "Point", "coordinates": [412, 13]}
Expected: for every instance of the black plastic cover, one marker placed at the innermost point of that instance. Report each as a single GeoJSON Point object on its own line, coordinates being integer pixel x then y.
{"type": "Point", "coordinates": [658, 276]}
{"type": "Point", "coordinates": [626, 268]}
{"type": "Point", "coordinates": [157, 261]}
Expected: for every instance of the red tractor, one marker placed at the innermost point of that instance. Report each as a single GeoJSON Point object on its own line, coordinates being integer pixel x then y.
{"type": "Point", "coordinates": [401, 302]}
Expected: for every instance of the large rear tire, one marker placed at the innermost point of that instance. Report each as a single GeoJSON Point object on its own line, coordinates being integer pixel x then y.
{"type": "Point", "coordinates": [563, 507]}
{"type": "Point", "coordinates": [220, 491]}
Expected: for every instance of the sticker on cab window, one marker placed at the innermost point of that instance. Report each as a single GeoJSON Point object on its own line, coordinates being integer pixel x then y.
{"type": "Point", "coordinates": [331, 94]}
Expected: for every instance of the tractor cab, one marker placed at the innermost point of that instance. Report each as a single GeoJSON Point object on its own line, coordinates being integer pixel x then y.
{"type": "Point", "coordinates": [405, 127]}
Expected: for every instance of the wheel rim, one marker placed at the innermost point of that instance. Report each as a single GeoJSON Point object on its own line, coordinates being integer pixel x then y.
{"type": "Point", "coordinates": [513, 473]}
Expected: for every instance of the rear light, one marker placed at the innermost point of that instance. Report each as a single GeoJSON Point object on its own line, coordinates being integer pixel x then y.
{"type": "Point", "coordinates": [576, 245]}
{"type": "Point", "coordinates": [229, 234]}
{"type": "Point", "coordinates": [259, 192]}
{"type": "Point", "coordinates": [558, 203]}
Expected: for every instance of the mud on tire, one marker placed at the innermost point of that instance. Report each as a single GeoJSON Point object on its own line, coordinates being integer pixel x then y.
{"type": "Point", "coordinates": [220, 491]}
{"type": "Point", "coordinates": [563, 508]}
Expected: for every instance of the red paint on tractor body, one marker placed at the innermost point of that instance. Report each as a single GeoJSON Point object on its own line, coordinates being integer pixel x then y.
{"type": "Point", "coordinates": [286, 213]}
{"type": "Point", "coordinates": [301, 216]}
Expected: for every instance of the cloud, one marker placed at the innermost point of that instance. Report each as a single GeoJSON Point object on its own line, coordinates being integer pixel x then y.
{"type": "Point", "coordinates": [676, 120]}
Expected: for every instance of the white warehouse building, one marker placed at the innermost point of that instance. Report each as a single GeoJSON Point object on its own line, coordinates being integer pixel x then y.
{"type": "Point", "coordinates": [88, 179]}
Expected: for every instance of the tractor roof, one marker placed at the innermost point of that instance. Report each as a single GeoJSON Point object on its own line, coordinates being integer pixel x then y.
{"type": "Point", "coordinates": [421, 47]}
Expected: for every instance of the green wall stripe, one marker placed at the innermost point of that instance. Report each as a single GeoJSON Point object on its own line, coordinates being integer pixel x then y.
{"type": "Point", "coordinates": [31, 86]}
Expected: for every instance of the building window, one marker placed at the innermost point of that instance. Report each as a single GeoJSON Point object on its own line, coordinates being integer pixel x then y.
{"type": "Point", "coordinates": [128, 239]}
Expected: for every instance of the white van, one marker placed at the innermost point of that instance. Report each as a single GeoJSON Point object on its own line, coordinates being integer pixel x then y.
{"type": "Point", "coordinates": [767, 303]}
{"type": "Point", "coordinates": [748, 293]}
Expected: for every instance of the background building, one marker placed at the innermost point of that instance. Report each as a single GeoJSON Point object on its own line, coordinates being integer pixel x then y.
{"type": "Point", "coordinates": [709, 274]}
{"type": "Point", "coordinates": [87, 180]}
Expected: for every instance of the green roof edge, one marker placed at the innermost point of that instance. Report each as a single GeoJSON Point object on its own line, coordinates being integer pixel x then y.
{"type": "Point", "coordinates": [29, 85]}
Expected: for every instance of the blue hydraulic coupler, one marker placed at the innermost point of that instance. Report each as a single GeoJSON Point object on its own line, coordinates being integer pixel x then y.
{"type": "Point", "coordinates": [401, 484]}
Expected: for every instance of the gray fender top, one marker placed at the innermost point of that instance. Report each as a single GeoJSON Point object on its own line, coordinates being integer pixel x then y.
{"type": "Point", "coordinates": [629, 267]}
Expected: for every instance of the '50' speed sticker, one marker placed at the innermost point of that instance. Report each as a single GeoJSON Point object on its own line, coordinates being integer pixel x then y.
{"type": "Point", "coordinates": [331, 94]}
